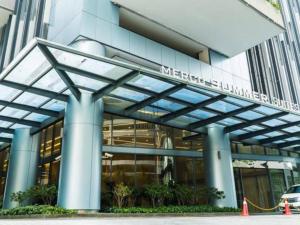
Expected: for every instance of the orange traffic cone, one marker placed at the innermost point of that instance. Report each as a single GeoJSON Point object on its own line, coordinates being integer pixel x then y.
{"type": "Point", "coordinates": [245, 208]}
{"type": "Point", "coordinates": [287, 210]}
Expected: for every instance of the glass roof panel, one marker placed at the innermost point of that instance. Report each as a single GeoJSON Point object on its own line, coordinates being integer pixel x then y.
{"type": "Point", "coordinates": [259, 137]}
{"type": "Point", "coordinates": [201, 114]}
{"type": "Point", "coordinates": [182, 121]}
{"type": "Point", "coordinates": [273, 123]}
{"type": "Point", "coordinates": [266, 110]}
{"type": "Point", "coordinates": [90, 65]}
{"type": "Point", "coordinates": [12, 112]}
{"type": "Point", "coordinates": [189, 96]}
{"type": "Point", "coordinates": [168, 105]}
{"type": "Point", "coordinates": [5, 135]}
{"type": "Point", "coordinates": [150, 83]}
{"type": "Point", "coordinates": [204, 91]}
{"type": "Point", "coordinates": [230, 121]}
{"type": "Point", "coordinates": [86, 82]}
{"type": "Point", "coordinates": [30, 68]}
{"type": "Point", "coordinates": [250, 115]}
{"type": "Point", "coordinates": [116, 103]}
{"type": "Point", "coordinates": [253, 128]}
{"type": "Point", "coordinates": [274, 134]}
{"type": "Point", "coordinates": [292, 139]}
{"type": "Point", "coordinates": [292, 129]}
{"type": "Point", "coordinates": [238, 132]}
{"type": "Point", "coordinates": [8, 93]}
{"type": "Point", "coordinates": [238, 101]}
{"type": "Point", "coordinates": [55, 105]}
{"type": "Point", "coordinates": [153, 111]}
{"type": "Point", "coordinates": [122, 92]}
{"type": "Point", "coordinates": [278, 142]}
{"type": "Point", "coordinates": [17, 126]}
{"type": "Point", "coordinates": [31, 99]}
{"type": "Point", "coordinates": [51, 81]}
{"type": "Point", "coordinates": [222, 106]}
{"type": "Point", "coordinates": [36, 117]}
{"type": "Point", "coordinates": [290, 118]}
{"type": "Point", "coordinates": [5, 124]}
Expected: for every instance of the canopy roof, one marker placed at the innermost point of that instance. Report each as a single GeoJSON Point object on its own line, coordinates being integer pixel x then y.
{"type": "Point", "coordinates": [35, 87]}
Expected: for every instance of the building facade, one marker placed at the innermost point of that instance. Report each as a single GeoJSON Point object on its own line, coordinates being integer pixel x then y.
{"type": "Point", "coordinates": [127, 91]}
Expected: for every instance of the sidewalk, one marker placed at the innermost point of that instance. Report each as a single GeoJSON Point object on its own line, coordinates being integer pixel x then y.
{"type": "Point", "coordinates": [220, 220]}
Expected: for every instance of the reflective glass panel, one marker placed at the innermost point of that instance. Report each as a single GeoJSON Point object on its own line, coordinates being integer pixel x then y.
{"type": "Point", "coordinates": [51, 81]}
{"type": "Point", "coordinates": [122, 92]}
{"type": "Point", "coordinates": [31, 99]}
{"type": "Point", "coordinates": [168, 105]}
{"type": "Point", "coordinates": [150, 83]}
{"type": "Point", "coordinates": [189, 96]}
{"type": "Point", "coordinates": [222, 106]}
{"type": "Point", "coordinates": [250, 115]}
{"type": "Point", "coordinates": [27, 71]}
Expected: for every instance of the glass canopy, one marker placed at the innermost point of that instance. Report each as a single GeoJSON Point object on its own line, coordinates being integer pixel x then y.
{"type": "Point", "coordinates": [35, 87]}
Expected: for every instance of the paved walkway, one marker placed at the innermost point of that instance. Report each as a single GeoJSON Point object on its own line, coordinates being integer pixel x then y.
{"type": "Point", "coordinates": [230, 220]}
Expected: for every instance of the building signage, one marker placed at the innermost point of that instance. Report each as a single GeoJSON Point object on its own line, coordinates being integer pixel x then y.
{"type": "Point", "coordinates": [229, 88]}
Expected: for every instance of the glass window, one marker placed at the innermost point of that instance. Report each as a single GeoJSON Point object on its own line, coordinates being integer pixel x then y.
{"type": "Point", "coordinates": [185, 171]}
{"type": "Point", "coordinates": [179, 143]}
{"type": "Point", "coordinates": [123, 131]}
{"type": "Point", "coordinates": [145, 134]}
{"type": "Point", "coordinates": [49, 141]}
{"type": "Point", "coordinates": [149, 170]}
{"type": "Point", "coordinates": [162, 135]}
{"type": "Point", "coordinates": [257, 149]}
{"type": "Point", "coordinates": [107, 129]}
{"type": "Point", "coordinates": [272, 151]}
{"type": "Point", "coordinates": [278, 184]}
{"type": "Point", "coordinates": [246, 149]}
{"type": "Point", "coordinates": [123, 169]}
{"type": "Point", "coordinates": [54, 172]}
{"type": "Point", "coordinates": [57, 137]}
{"type": "Point", "coordinates": [45, 174]}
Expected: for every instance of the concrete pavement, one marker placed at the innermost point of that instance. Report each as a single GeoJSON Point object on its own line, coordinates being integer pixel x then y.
{"type": "Point", "coordinates": [220, 220]}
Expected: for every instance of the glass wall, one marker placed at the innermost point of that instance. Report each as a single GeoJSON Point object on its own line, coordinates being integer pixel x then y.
{"type": "Point", "coordinates": [51, 140]}
{"type": "Point", "coordinates": [120, 131]}
{"type": "Point", "coordinates": [4, 156]}
{"type": "Point", "coordinates": [137, 171]}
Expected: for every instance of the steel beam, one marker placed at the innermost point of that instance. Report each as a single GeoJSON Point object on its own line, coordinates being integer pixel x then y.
{"type": "Point", "coordinates": [5, 140]}
{"type": "Point", "coordinates": [6, 130]}
{"type": "Point", "coordinates": [221, 117]}
{"type": "Point", "coordinates": [186, 110]}
{"type": "Point", "coordinates": [20, 121]}
{"type": "Point", "coordinates": [253, 122]}
{"type": "Point", "coordinates": [34, 90]}
{"type": "Point", "coordinates": [267, 130]}
{"type": "Point", "coordinates": [61, 73]}
{"type": "Point", "coordinates": [29, 108]}
{"type": "Point", "coordinates": [109, 88]}
{"type": "Point", "coordinates": [152, 99]}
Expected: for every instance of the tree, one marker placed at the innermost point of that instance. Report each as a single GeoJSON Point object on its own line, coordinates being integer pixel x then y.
{"type": "Point", "coordinates": [45, 194]}
{"type": "Point", "coordinates": [121, 192]}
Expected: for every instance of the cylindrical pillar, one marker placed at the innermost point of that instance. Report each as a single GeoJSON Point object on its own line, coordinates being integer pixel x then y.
{"type": "Point", "coordinates": [79, 181]}
{"type": "Point", "coordinates": [218, 166]}
{"type": "Point", "coordinates": [23, 163]}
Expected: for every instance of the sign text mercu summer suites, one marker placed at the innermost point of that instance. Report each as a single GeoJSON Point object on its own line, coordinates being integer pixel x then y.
{"type": "Point", "coordinates": [229, 88]}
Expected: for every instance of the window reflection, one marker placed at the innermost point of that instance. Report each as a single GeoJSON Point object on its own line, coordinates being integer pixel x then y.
{"type": "Point", "coordinates": [4, 156]}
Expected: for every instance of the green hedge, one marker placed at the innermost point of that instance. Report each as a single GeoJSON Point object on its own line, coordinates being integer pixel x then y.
{"type": "Point", "coordinates": [36, 210]}
{"type": "Point", "coordinates": [174, 209]}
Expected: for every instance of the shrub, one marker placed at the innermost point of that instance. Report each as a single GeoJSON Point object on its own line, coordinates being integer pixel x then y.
{"type": "Point", "coordinates": [36, 210]}
{"type": "Point", "coordinates": [174, 209]}
{"type": "Point", "coordinates": [121, 192]}
{"type": "Point", "coordinates": [206, 195]}
{"type": "Point", "coordinates": [19, 197]}
{"type": "Point", "coordinates": [183, 194]}
{"type": "Point", "coordinates": [158, 193]}
{"type": "Point", "coordinates": [42, 194]}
